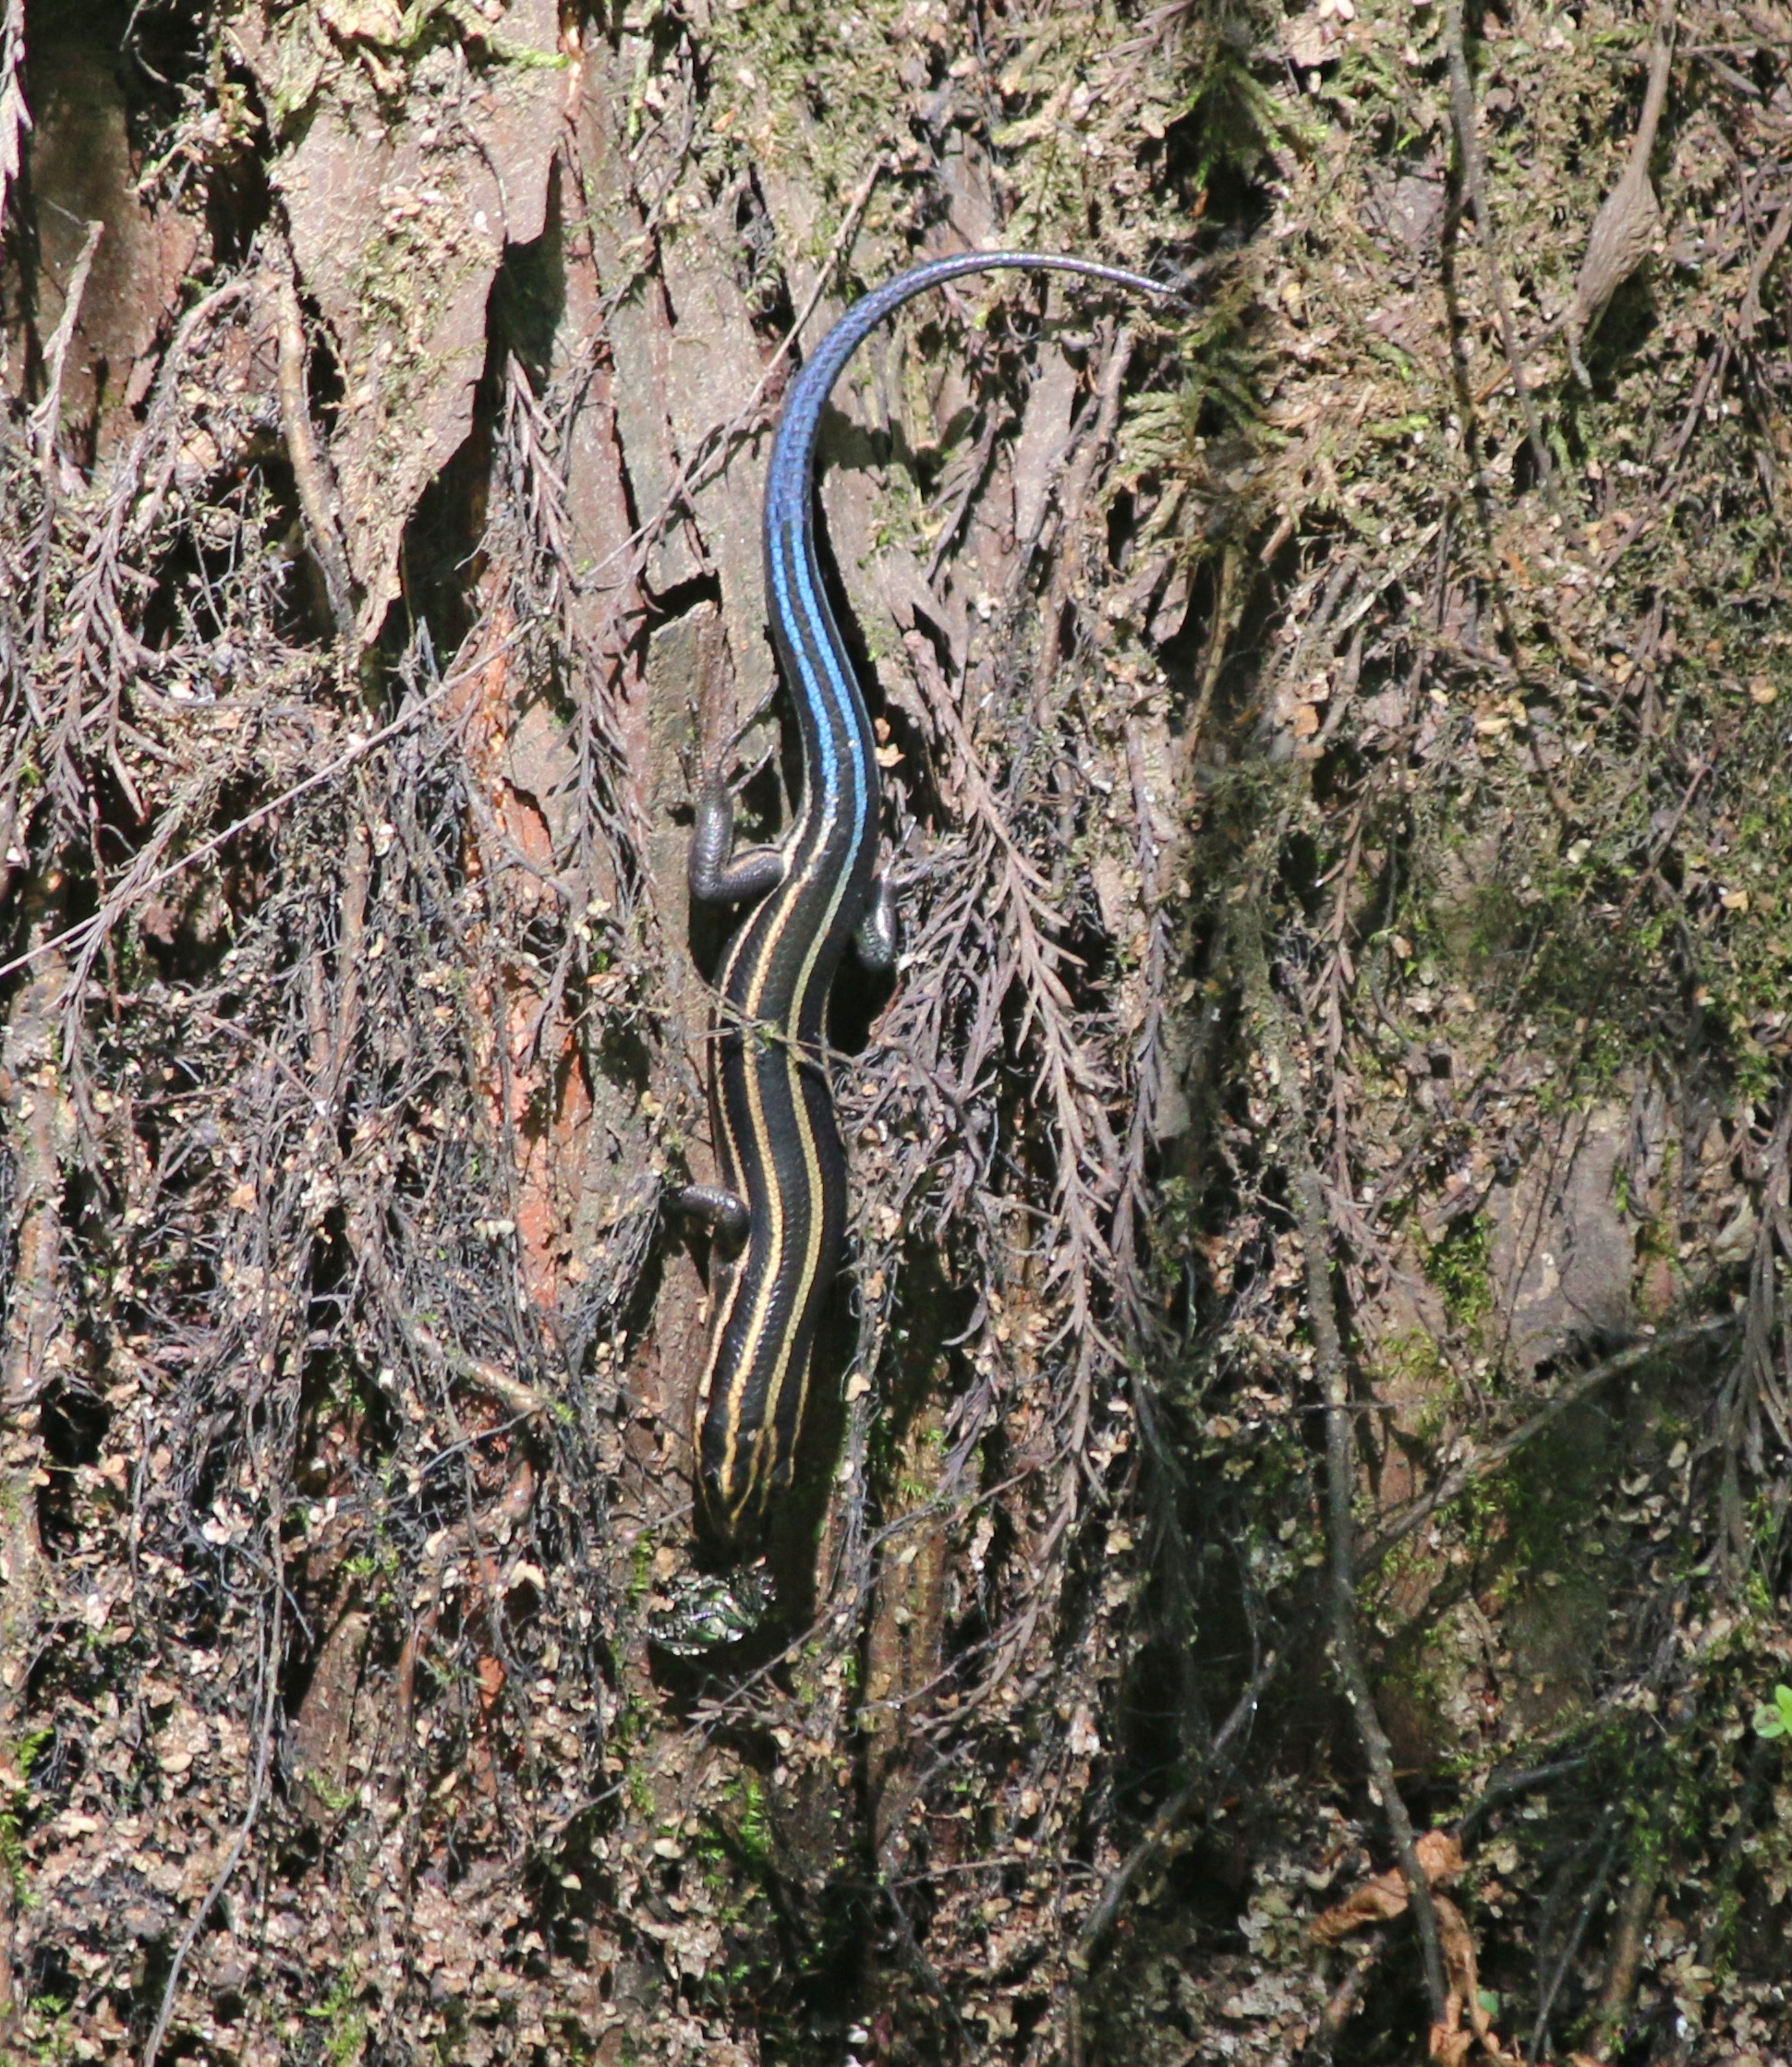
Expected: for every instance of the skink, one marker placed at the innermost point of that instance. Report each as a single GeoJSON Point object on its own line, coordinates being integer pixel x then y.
{"type": "Point", "coordinates": [780, 1208]}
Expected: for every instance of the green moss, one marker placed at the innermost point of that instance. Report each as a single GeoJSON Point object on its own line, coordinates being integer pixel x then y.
{"type": "Point", "coordinates": [777, 66]}
{"type": "Point", "coordinates": [24, 1753]}
{"type": "Point", "coordinates": [49, 2035]}
{"type": "Point", "coordinates": [1236, 119]}
{"type": "Point", "coordinates": [1457, 1263]}
{"type": "Point", "coordinates": [344, 2022]}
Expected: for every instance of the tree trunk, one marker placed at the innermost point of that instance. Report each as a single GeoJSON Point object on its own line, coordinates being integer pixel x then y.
{"type": "Point", "coordinates": [1288, 1542]}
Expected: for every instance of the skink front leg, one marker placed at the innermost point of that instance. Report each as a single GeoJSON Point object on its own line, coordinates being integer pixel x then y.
{"type": "Point", "coordinates": [875, 935]}
{"type": "Point", "coordinates": [717, 876]}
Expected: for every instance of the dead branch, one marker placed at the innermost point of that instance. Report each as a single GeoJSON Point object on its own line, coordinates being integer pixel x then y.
{"type": "Point", "coordinates": [311, 472]}
{"type": "Point", "coordinates": [1309, 1201]}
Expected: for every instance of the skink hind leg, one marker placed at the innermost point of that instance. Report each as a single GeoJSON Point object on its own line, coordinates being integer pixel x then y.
{"type": "Point", "coordinates": [717, 876]}
{"type": "Point", "coordinates": [876, 936]}
{"type": "Point", "coordinates": [725, 1211]}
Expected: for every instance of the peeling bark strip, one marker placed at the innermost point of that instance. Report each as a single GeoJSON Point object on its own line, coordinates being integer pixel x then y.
{"type": "Point", "coordinates": [34, 1350]}
{"type": "Point", "coordinates": [404, 168]}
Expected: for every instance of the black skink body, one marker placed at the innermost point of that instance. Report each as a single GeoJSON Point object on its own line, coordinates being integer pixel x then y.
{"type": "Point", "coordinates": [781, 1205]}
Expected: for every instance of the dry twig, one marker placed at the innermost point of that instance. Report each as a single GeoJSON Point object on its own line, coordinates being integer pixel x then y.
{"type": "Point", "coordinates": [1623, 231]}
